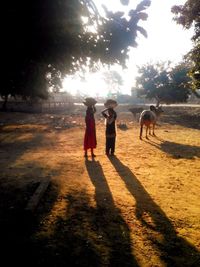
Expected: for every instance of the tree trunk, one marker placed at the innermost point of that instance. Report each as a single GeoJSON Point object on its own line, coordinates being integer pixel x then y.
{"type": "Point", "coordinates": [157, 101]}
{"type": "Point", "coordinates": [196, 94]}
{"type": "Point", "coordinates": [4, 107]}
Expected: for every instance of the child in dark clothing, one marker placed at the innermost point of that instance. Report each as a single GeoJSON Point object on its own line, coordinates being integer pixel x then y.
{"type": "Point", "coordinates": [110, 116]}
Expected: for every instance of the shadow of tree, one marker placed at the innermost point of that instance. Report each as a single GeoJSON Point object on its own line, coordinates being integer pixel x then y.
{"type": "Point", "coordinates": [18, 225]}
{"type": "Point", "coordinates": [18, 228]}
{"type": "Point", "coordinates": [177, 150]}
{"type": "Point", "coordinates": [11, 148]}
{"type": "Point", "coordinates": [174, 250]}
{"type": "Point", "coordinates": [185, 116]}
{"type": "Point", "coordinates": [17, 184]}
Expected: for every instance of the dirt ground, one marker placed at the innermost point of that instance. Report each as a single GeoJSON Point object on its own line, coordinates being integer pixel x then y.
{"type": "Point", "coordinates": [138, 208]}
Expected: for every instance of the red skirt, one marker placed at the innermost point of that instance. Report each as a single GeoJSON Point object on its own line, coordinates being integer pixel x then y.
{"type": "Point", "coordinates": [90, 140]}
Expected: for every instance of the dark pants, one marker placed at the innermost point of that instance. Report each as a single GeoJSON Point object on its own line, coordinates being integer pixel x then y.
{"type": "Point", "coordinates": [110, 145]}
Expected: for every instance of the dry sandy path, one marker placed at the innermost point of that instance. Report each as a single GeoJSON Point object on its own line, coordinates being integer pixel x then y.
{"type": "Point", "coordinates": [139, 208]}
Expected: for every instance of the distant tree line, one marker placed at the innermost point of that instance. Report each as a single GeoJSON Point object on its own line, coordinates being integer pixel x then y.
{"type": "Point", "coordinates": [164, 83]}
{"type": "Point", "coordinates": [175, 84]}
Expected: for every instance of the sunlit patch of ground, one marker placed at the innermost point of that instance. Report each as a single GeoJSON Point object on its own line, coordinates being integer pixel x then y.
{"type": "Point", "coordinates": [139, 208]}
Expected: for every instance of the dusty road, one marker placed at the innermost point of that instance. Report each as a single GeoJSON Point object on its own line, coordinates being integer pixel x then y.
{"type": "Point", "coordinates": [139, 208]}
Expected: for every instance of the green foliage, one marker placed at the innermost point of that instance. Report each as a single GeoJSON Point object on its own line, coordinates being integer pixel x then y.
{"type": "Point", "coordinates": [188, 15]}
{"type": "Point", "coordinates": [165, 84]}
{"type": "Point", "coordinates": [194, 57]}
{"type": "Point", "coordinates": [45, 40]}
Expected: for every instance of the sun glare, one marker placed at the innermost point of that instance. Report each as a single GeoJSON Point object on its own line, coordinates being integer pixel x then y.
{"type": "Point", "coordinates": [92, 85]}
{"type": "Point", "coordinates": [166, 41]}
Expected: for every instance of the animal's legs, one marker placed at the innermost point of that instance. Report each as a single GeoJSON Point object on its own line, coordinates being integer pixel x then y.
{"type": "Point", "coordinates": [141, 129]}
{"type": "Point", "coordinates": [147, 128]}
{"type": "Point", "coordinates": [154, 129]}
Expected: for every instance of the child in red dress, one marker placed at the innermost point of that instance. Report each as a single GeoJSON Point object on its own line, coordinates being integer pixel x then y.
{"type": "Point", "coordinates": [90, 141]}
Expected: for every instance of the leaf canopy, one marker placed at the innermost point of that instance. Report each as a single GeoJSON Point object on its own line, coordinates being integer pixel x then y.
{"type": "Point", "coordinates": [45, 40]}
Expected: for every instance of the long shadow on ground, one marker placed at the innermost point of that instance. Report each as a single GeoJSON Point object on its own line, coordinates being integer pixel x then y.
{"type": "Point", "coordinates": [176, 150]}
{"type": "Point", "coordinates": [174, 250]}
{"type": "Point", "coordinates": [109, 219]}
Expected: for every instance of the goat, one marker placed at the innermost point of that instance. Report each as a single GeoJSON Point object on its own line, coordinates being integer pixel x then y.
{"type": "Point", "coordinates": [148, 118]}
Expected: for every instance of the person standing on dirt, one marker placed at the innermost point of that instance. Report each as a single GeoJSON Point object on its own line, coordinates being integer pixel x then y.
{"type": "Point", "coordinates": [110, 116]}
{"type": "Point", "coordinates": [90, 141]}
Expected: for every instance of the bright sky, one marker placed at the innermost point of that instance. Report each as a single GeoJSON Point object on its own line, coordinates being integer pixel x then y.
{"type": "Point", "coordinates": [166, 41]}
